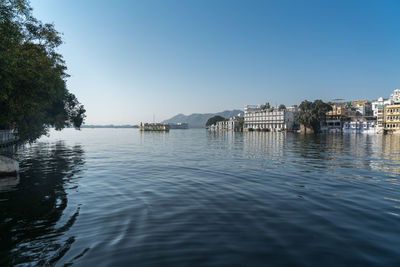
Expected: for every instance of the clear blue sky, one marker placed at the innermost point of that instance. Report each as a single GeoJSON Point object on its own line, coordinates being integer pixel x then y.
{"type": "Point", "coordinates": [129, 60]}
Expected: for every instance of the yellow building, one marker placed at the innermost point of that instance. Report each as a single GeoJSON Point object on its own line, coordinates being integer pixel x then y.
{"type": "Point", "coordinates": [392, 118]}
{"type": "Point", "coordinates": [356, 103]}
{"type": "Point", "coordinates": [337, 110]}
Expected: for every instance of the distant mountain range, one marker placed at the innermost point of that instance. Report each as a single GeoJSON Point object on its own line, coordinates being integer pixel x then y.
{"type": "Point", "coordinates": [198, 120]}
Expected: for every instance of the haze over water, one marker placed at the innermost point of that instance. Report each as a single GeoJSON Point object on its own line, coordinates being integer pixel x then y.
{"type": "Point", "coordinates": [114, 197]}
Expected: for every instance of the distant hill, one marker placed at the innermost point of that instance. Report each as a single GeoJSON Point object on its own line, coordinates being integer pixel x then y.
{"type": "Point", "coordinates": [198, 120]}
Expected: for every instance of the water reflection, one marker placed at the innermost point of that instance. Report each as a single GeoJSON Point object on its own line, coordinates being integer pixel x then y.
{"type": "Point", "coordinates": [153, 136]}
{"type": "Point", "coordinates": [34, 217]}
{"type": "Point", "coordinates": [9, 183]}
{"type": "Point", "coordinates": [224, 140]}
{"type": "Point", "coordinates": [388, 150]}
{"type": "Point", "coordinates": [363, 152]}
{"type": "Point", "coordinates": [204, 198]}
{"type": "Point", "coordinates": [264, 142]}
{"type": "Point", "coordinates": [307, 153]}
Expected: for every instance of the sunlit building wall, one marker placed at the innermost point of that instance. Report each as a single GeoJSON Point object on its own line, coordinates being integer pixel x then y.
{"type": "Point", "coordinates": [272, 119]}
{"type": "Point", "coordinates": [392, 118]}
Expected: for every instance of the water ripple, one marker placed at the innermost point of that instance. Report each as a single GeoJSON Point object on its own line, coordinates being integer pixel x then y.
{"type": "Point", "coordinates": [194, 198]}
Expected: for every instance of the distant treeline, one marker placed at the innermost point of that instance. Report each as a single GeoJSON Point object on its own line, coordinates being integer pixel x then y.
{"type": "Point", "coordinates": [110, 126]}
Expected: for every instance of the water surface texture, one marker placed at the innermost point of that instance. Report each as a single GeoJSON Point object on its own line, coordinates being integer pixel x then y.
{"type": "Point", "coordinates": [119, 197]}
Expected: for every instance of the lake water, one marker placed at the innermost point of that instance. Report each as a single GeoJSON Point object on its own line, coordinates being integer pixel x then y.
{"type": "Point", "coordinates": [119, 197]}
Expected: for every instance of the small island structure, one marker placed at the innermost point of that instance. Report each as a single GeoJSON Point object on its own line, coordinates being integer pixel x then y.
{"type": "Point", "coordinates": [158, 127]}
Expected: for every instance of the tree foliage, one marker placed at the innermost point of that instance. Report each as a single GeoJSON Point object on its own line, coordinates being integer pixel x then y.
{"type": "Point", "coordinates": [266, 106]}
{"type": "Point", "coordinates": [240, 123]}
{"type": "Point", "coordinates": [311, 113]}
{"type": "Point", "coordinates": [282, 107]}
{"type": "Point", "coordinates": [214, 120]}
{"type": "Point", "coordinates": [33, 92]}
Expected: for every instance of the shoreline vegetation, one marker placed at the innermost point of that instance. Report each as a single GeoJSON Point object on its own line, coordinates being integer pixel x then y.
{"type": "Point", "coordinates": [34, 96]}
{"type": "Point", "coordinates": [109, 126]}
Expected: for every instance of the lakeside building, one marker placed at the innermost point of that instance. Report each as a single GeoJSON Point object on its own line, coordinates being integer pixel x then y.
{"type": "Point", "coordinates": [386, 112]}
{"type": "Point", "coordinates": [392, 118]}
{"type": "Point", "coordinates": [338, 110]}
{"type": "Point", "coordinates": [395, 97]}
{"type": "Point", "coordinates": [380, 118]}
{"type": "Point", "coordinates": [227, 125]}
{"type": "Point", "coordinates": [332, 124]}
{"type": "Point", "coordinates": [377, 104]}
{"type": "Point", "coordinates": [335, 118]}
{"type": "Point", "coordinates": [350, 117]}
{"type": "Point", "coordinates": [159, 127]}
{"type": "Point", "coordinates": [362, 107]}
{"type": "Point", "coordinates": [273, 119]}
{"type": "Point", "coordinates": [362, 125]}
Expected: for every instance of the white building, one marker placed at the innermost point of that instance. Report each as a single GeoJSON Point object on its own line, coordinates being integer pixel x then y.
{"type": "Point", "coordinates": [379, 103]}
{"type": "Point", "coordinates": [361, 126]}
{"type": "Point", "coordinates": [273, 119]}
{"type": "Point", "coordinates": [395, 97]}
{"type": "Point", "coordinates": [380, 118]}
{"type": "Point", "coordinates": [228, 125]}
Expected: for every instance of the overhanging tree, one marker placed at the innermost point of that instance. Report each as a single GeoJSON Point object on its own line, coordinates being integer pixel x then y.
{"type": "Point", "coordinates": [33, 92]}
{"type": "Point", "coordinates": [311, 113]}
{"type": "Point", "coordinates": [240, 123]}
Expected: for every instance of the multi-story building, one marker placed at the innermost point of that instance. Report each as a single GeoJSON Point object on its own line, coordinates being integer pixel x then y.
{"type": "Point", "coordinates": [395, 97]}
{"type": "Point", "coordinates": [380, 118]}
{"type": "Point", "coordinates": [392, 118]}
{"type": "Point", "coordinates": [273, 119]}
{"type": "Point", "coordinates": [362, 107]}
{"type": "Point", "coordinates": [338, 111]}
{"type": "Point", "coordinates": [361, 124]}
{"type": "Point", "coordinates": [334, 119]}
{"type": "Point", "coordinates": [227, 125]}
{"type": "Point", "coordinates": [377, 104]}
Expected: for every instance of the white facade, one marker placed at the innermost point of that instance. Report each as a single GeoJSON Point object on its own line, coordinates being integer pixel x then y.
{"type": "Point", "coordinates": [364, 110]}
{"type": "Point", "coordinates": [268, 119]}
{"type": "Point", "coordinates": [365, 127]}
{"type": "Point", "coordinates": [395, 97]}
{"type": "Point", "coordinates": [228, 125]}
{"type": "Point", "coordinates": [379, 103]}
{"type": "Point", "coordinates": [380, 118]}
